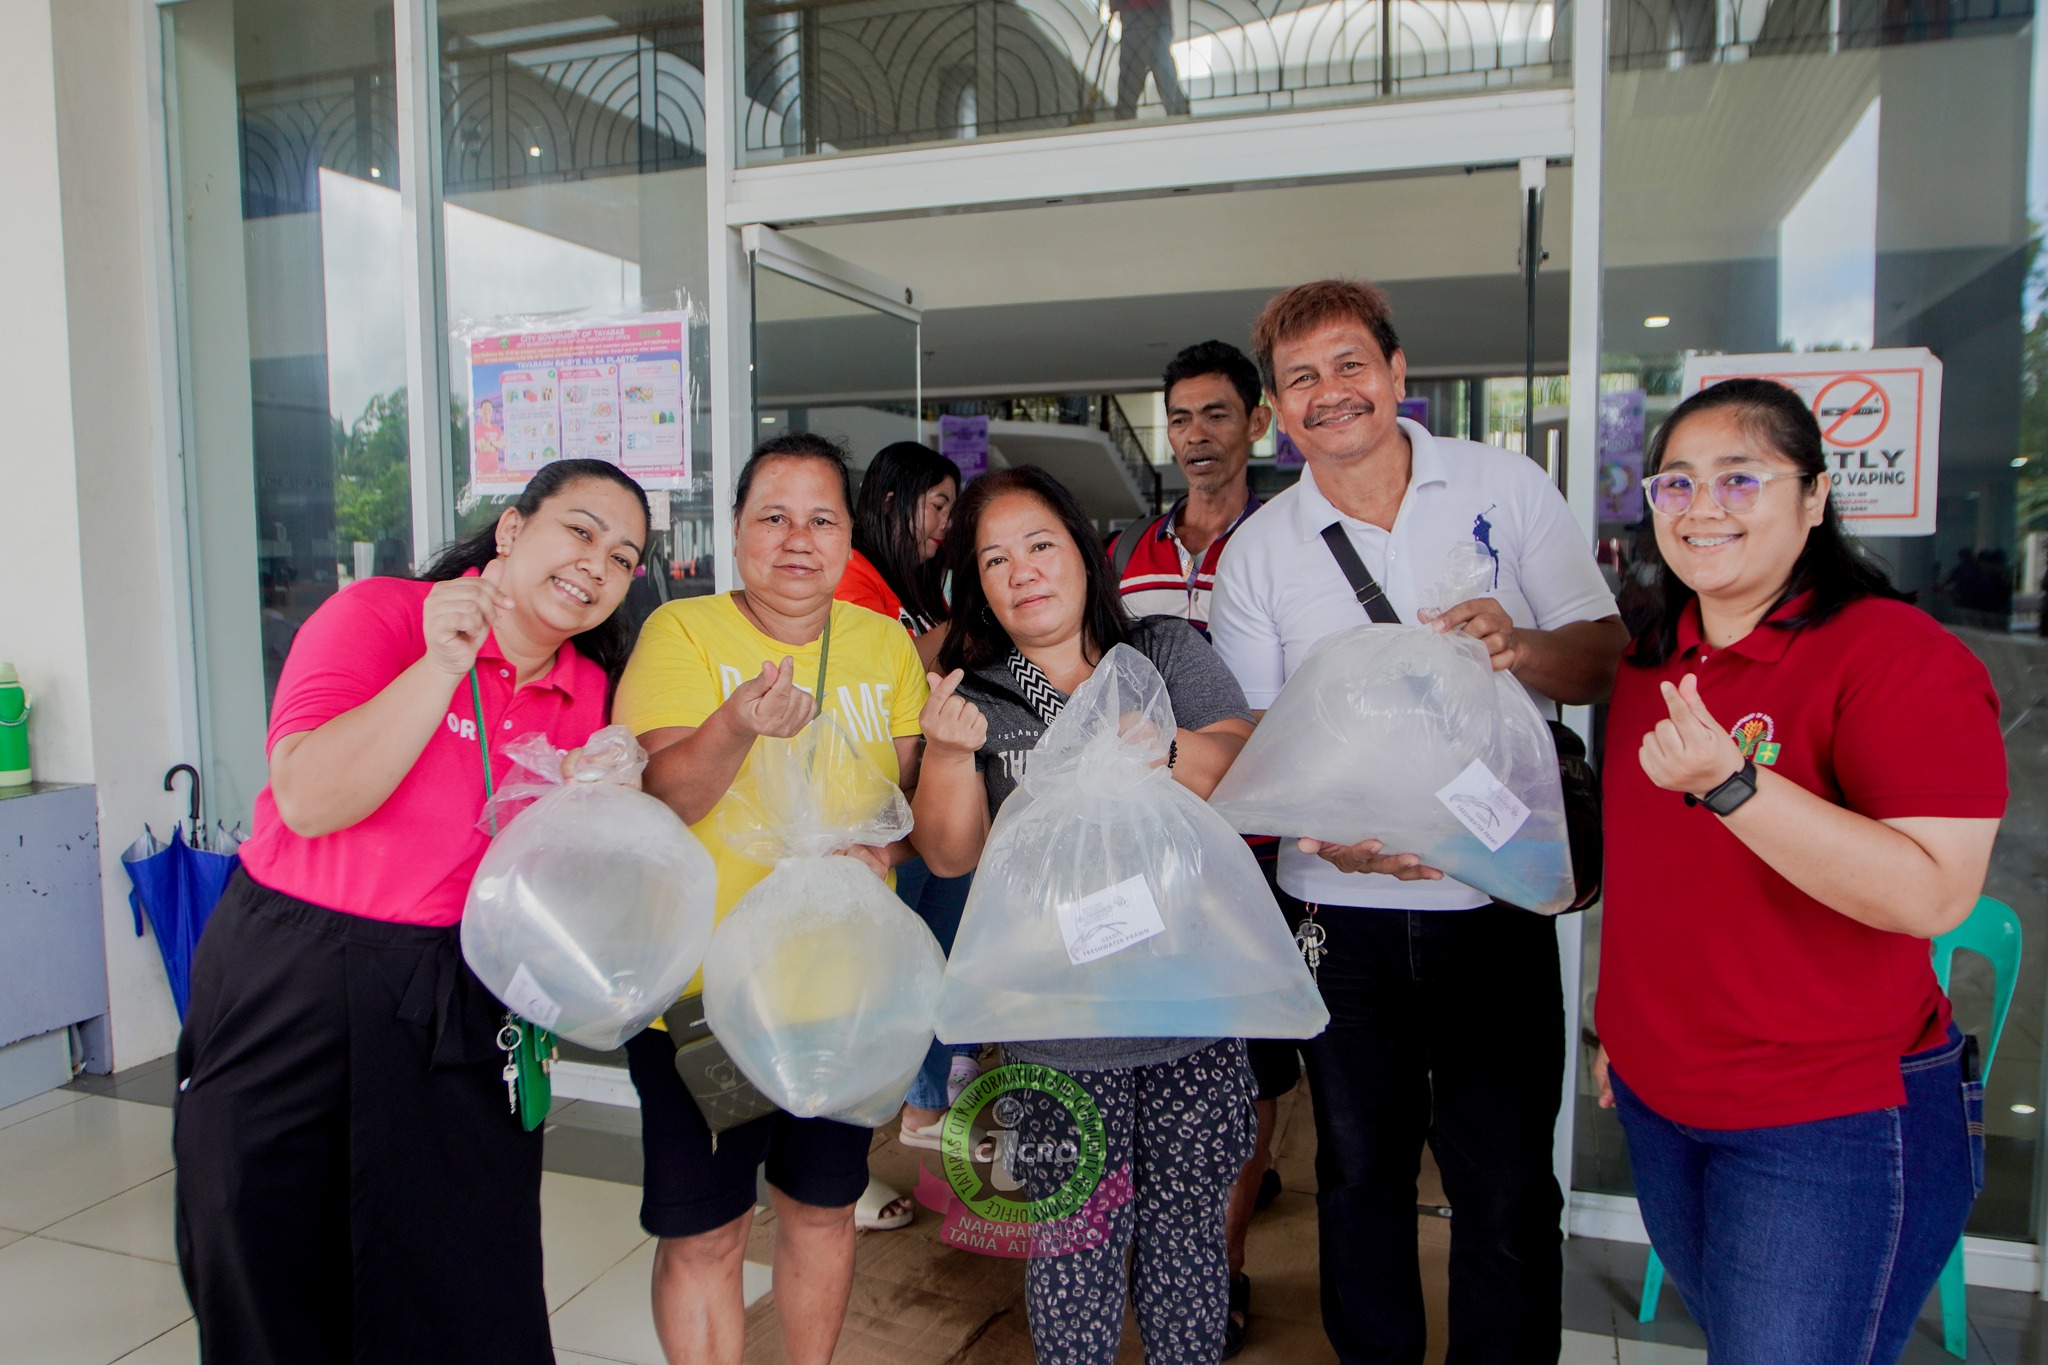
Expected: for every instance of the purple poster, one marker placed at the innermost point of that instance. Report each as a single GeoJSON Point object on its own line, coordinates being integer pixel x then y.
{"type": "Point", "coordinates": [1286, 454]}
{"type": "Point", "coordinates": [1415, 410]}
{"type": "Point", "coordinates": [1618, 490]}
{"type": "Point", "coordinates": [964, 441]}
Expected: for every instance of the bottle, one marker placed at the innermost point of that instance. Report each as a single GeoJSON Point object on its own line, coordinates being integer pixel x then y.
{"type": "Point", "coordinates": [14, 708]}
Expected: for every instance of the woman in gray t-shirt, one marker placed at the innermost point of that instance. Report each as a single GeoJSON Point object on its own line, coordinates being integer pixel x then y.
{"type": "Point", "coordinates": [1035, 607]}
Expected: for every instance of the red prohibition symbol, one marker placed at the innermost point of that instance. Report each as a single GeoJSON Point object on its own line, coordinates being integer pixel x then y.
{"type": "Point", "coordinates": [1865, 390]}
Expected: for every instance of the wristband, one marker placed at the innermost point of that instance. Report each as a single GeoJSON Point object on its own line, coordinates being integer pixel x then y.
{"type": "Point", "coordinates": [1727, 798]}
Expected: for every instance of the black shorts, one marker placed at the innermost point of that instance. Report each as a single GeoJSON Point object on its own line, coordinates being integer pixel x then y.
{"type": "Point", "coordinates": [689, 1187]}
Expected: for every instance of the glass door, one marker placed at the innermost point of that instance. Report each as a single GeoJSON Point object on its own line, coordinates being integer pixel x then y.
{"type": "Point", "coordinates": [835, 346]}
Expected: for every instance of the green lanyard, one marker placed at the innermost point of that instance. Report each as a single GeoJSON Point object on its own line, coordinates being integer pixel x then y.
{"type": "Point", "coordinates": [529, 1049]}
{"type": "Point", "coordinates": [824, 653]}
{"type": "Point", "coordinates": [483, 744]}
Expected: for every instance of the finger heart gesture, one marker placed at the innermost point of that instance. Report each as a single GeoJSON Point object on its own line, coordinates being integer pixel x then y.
{"type": "Point", "coordinates": [771, 704]}
{"type": "Point", "coordinates": [1689, 751]}
{"type": "Point", "coordinates": [950, 722]}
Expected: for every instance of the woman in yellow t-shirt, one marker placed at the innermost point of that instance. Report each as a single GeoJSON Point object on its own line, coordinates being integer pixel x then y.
{"type": "Point", "coordinates": [708, 677]}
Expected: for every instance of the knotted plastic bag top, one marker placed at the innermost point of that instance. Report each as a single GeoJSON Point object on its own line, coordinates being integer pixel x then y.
{"type": "Point", "coordinates": [810, 795]}
{"type": "Point", "coordinates": [611, 755]}
{"type": "Point", "coordinates": [1112, 735]}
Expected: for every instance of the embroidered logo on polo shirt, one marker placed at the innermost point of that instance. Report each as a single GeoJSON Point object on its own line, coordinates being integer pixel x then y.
{"type": "Point", "coordinates": [1753, 736]}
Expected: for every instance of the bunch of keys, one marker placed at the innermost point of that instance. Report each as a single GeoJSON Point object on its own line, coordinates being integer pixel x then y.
{"type": "Point", "coordinates": [1310, 938]}
{"type": "Point", "coordinates": [508, 1041]}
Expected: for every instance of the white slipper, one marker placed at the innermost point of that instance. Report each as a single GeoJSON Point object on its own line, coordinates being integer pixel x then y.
{"type": "Point", "coordinates": [927, 1138]}
{"type": "Point", "coordinates": [868, 1215]}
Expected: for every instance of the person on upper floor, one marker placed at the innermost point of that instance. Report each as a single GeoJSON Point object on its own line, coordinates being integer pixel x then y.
{"type": "Point", "coordinates": [1804, 782]}
{"type": "Point", "coordinates": [1446, 1010]}
{"type": "Point", "coordinates": [709, 677]}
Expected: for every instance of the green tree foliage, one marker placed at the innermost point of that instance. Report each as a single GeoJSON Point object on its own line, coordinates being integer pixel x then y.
{"type": "Point", "coordinates": [372, 485]}
{"type": "Point", "coordinates": [2031, 494]}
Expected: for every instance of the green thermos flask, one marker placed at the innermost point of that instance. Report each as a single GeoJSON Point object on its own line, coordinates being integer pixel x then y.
{"type": "Point", "coordinates": [14, 709]}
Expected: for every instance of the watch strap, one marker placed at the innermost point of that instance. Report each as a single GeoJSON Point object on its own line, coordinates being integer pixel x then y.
{"type": "Point", "coordinates": [1727, 798]}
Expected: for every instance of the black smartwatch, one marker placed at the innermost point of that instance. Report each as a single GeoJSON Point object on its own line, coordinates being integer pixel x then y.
{"type": "Point", "coordinates": [1727, 798]}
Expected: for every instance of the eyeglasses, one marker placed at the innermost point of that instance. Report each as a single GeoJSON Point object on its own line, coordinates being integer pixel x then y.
{"type": "Point", "coordinates": [1735, 490]}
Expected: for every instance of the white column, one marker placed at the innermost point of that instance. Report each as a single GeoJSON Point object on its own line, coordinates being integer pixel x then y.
{"type": "Point", "coordinates": [1589, 113]}
{"type": "Point", "coordinates": [415, 30]}
{"type": "Point", "coordinates": [731, 305]}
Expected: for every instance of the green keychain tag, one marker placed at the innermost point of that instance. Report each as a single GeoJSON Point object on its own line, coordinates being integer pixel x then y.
{"type": "Point", "coordinates": [529, 1049]}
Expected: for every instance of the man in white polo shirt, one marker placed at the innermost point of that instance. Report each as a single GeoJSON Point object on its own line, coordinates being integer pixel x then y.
{"type": "Point", "coordinates": [1446, 1011]}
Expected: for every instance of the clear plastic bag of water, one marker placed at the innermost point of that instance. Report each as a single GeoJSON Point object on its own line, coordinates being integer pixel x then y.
{"type": "Point", "coordinates": [820, 983]}
{"type": "Point", "coordinates": [593, 906]}
{"type": "Point", "coordinates": [1407, 735]}
{"type": "Point", "coordinates": [1111, 902]}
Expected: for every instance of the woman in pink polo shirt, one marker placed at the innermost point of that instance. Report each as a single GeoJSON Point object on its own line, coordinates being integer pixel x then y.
{"type": "Point", "coordinates": [1804, 780]}
{"type": "Point", "coordinates": [351, 1185]}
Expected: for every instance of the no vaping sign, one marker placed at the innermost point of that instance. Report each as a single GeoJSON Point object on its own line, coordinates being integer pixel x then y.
{"type": "Point", "coordinates": [1880, 422]}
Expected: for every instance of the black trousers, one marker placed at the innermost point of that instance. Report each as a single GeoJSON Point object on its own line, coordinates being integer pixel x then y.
{"type": "Point", "coordinates": [351, 1185]}
{"type": "Point", "coordinates": [1445, 1027]}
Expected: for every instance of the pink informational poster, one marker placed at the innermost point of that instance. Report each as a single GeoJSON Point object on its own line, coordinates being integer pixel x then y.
{"type": "Point", "coordinates": [615, 389]}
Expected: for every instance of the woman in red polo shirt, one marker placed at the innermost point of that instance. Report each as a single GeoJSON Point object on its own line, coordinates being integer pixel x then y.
{"type": "Point", "coordinates": [351, 1185]}
{"type": "Point", "coordinates": [1805, 777]}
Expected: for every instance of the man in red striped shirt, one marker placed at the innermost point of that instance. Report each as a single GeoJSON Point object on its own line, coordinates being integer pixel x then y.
{"type": "Point", "coordinates": [1213, 415]}
{"type": "Point", "coordinates": [1165, 567]}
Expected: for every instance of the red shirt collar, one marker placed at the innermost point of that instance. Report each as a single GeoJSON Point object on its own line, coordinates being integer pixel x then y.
{"type": "Point", "coordinates": [560, 675]}
{"type": "Point", "coordinates": [1766, 643]}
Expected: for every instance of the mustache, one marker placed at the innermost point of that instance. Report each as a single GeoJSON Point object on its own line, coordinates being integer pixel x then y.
{"type": "Point", "coordinates": [1316, 419]}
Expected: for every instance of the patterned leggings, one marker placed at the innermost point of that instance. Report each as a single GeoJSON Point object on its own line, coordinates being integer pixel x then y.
{"type": "Point", "coordinates": [1184, 1128]}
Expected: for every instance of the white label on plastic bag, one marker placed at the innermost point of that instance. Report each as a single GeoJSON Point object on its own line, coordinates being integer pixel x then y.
{"type": "Point", "coordinates": [1110, 921]}
{"type": "Point", "coordinates": [525, 998]}
{"type": "Point", "coordinates": [1483, 805]}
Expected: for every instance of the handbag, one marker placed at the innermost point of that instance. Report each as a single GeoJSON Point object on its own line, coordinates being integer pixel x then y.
{"type": "Point", "coordinates": [722, 1092]}
{"type": "Point", "coordinates": [1574, 766]}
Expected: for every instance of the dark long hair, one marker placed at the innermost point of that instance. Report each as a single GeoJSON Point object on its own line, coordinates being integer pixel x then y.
{"type": "Point", "coordinates": [1832, 566]}
{"type": "Point", "coordinates": [977, 637]}
{"type": "Point", "coordinates": [605, 644]}
{"type": "Point", "coordinates": [885, 523]}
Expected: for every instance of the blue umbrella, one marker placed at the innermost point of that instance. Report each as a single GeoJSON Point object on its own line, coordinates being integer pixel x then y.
{"type": "Point", "coordinates": [176, 886]}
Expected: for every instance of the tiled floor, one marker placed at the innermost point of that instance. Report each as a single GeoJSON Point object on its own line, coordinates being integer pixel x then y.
{"type": "Point", "coordinates": [88, 1272]}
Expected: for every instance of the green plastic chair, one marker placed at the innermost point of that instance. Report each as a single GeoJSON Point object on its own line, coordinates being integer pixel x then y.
{"type": "Point", "coordinates": [1993, 932]}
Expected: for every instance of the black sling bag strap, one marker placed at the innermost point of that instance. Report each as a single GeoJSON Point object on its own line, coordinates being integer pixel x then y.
{"type": "Point", "coordinates": [1574, 769]}
{"type": "Point", "coordinates": [1364, 586]}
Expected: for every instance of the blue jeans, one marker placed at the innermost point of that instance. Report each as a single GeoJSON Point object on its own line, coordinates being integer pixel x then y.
{"type": "Point", "coordinates": [1814, 1242]}
{"type": "Point", "coordinates": [938, 902]}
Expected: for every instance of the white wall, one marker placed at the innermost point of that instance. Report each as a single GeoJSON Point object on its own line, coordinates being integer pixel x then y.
{"type": "Point", "coordinates": [85, 622]}
{"type": "Point", "coordinates": [42, 622]}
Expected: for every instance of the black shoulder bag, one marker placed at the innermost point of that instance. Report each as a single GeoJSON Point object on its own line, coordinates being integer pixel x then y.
{"type": "Point", "coordinates": [1574, 768]}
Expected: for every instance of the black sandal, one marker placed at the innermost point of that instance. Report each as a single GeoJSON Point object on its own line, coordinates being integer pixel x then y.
{"type": "Point", "coordinates": [1240, 1324]}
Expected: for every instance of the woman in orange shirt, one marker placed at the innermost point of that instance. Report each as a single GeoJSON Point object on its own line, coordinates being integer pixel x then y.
{"type": "Point", "coordinates": [899, 521]}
